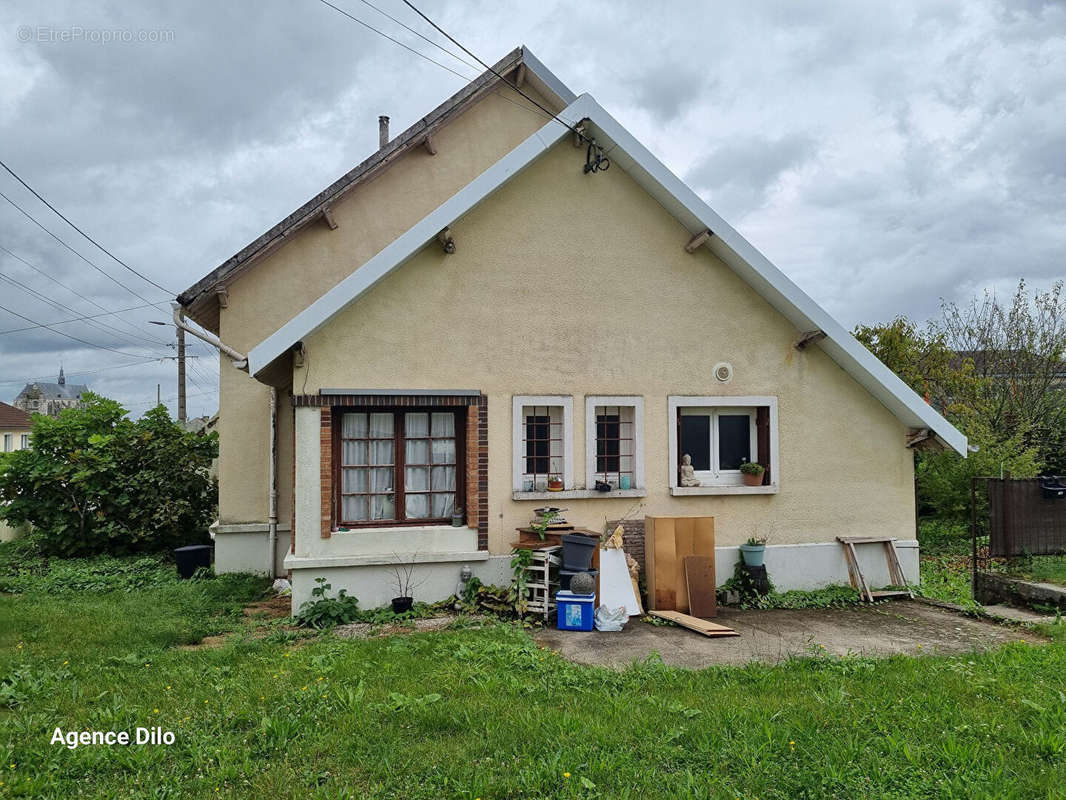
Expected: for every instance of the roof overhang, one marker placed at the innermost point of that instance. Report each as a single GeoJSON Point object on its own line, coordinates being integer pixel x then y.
{"type": "Point", "coordinates": [680, 201]}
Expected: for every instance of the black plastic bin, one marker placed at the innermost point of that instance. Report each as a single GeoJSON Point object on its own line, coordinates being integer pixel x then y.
{"type": "Point", "coordinates": [577, 551]}
{"type": "Point", "coordinates": [191, 558]}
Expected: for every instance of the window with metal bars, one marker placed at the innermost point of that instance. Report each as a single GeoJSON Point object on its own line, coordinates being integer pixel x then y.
{"type": "Point", "coordinates": [398, 466]}
{"type": "Point", "coordinates": [615, 444]}
{"type": "Point", "coordinates": [542, 444]}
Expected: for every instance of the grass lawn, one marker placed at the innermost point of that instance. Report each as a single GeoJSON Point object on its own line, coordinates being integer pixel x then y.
{"type": "Point", "coordinates": [484, 713]}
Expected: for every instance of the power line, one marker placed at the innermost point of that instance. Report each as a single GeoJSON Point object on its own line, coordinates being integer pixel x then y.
{"type": "Point", "coordinates": [421, 36]}
{"type": "Point", "coordinates": [114, 280]}
{"type": "Point", "coordinates": [138, 363]}
{"type": "Point", "coordinates": [391, 39]}
{"type": "Point", "coordinates": [452, 39]}
{"type": "Point", "coordinates": [77, 294]}
{"type": "Point", "coordinates": [75, 338]}
{"type": "Point", "coordinates": [100, 326]}
{"type": "Point", "coordinates": [83, 233]}
{"type": "Point", "coordinates": [74, 319]}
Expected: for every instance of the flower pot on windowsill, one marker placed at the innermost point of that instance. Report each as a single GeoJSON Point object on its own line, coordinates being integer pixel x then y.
{"type": "Point", "coordinates": [753, 554]}
{"type": "Point", "coordinates": [401, 605]}
{"type": "Point", "coordinates": [555, 485]}
{"type": "Point", "coordinates": [752, 473]}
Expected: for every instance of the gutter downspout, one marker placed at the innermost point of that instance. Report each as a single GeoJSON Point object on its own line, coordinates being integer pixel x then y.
{"type": "Point", "coordinates": [240, 360]}
{"type": "Point", "coordinates": [272, 520]}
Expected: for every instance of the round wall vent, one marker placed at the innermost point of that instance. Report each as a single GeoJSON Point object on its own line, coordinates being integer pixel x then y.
{"type": "Point", "coordinates": [723, 372]}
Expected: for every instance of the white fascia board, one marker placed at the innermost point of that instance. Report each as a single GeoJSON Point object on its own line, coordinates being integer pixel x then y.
{"type": "Point", "coordinates": [772, 284]}
{"type": "Point", "coordinates": [403, 248]}
{"type": "Point", "coordinates": [681, 202]}
{"type": "Point", "coordinates": [547, 77]}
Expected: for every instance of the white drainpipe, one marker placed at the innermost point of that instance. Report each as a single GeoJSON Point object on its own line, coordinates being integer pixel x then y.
{"type": "Point", "coordinates": [240, 360]}
{"type": "Point", "coordinates": [272, 520]}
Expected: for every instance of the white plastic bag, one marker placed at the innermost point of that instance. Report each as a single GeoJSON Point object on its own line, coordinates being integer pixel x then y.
{"type": "Point", "coordinates": [611, 619]}
{"type": "Point", "coordinates": [282, 587]}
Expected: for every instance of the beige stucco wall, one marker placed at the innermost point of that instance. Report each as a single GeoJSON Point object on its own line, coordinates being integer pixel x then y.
{"type": "Point", "coordinates": [565, 283]}
{"type": "Point", "coordinates": [283, 283]}
{"type": "Point", "coordinates": [16, 437]}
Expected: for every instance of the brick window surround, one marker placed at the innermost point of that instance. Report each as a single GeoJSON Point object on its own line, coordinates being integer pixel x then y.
{"type": "Point", "coordinates": [476, 437]}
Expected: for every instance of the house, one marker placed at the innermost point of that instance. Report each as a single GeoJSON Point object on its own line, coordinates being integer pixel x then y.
{"type": "Point", "coordinates": [50, 398]}
{"type": "Point", "coordinates": [14, 435]}
{"type": "Point", "coordinates": [485, 305]}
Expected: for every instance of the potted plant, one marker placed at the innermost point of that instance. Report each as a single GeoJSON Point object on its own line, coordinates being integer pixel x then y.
{"type": "Point", "coordinates": [753, 551]}
{"type": "Point", "coordinates": [555, 483]}
{"type": "Point", "coordinates": [752, 473]}
{"type": "Point", "coordinates": [401, 579]}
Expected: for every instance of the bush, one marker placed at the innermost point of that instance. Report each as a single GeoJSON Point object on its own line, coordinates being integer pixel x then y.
{"type": "Point", "coordinates": [324, 612]}
{"type": "Point", "coordinates": [94, 482]}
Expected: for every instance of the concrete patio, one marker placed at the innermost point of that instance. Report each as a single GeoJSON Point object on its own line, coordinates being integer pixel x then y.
{"type": "Point", "coordinates": [907, 627]}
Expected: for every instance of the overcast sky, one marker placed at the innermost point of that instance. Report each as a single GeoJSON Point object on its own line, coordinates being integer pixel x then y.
{"type": "Point", "coordinates": [882, 155]}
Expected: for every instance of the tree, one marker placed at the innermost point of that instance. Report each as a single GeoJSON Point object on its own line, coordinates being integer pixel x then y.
{"type": "Point", "coordinates": [93, 481]}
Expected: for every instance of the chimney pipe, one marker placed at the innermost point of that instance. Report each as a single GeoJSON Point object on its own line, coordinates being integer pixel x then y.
{"type": "Point", "coordinates": [383, 132]}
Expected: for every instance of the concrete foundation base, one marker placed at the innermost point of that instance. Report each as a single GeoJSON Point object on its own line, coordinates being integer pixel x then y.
{"type": "Point", "coordinates": [243, 548]}
{"type": "Point", "coordinates": [436, 576]}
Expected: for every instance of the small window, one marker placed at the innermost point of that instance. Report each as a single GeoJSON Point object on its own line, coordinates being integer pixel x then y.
{"type": "Point", "coordinates": [398, 466]}
{"type": "Point", "coordinates": [614, 442]}
{"type": "Point", "coordinates": [25, 442]}
{"type": "Point", "coordinates": [8, 442]}
{"type": "Point", "coordinates": [718, 440]}
{"type": "Point", "coordinates": [542, 435]}
{"type": "Point", "coordinates": [719, 434]}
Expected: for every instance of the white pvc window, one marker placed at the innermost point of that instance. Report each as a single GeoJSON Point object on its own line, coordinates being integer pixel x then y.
{"type": "Point", "coordinates": [8, 442]}
{"type": "Point", "coordinates": [718, 440]}
{"type": "Point", "coordinates": [25, 441]}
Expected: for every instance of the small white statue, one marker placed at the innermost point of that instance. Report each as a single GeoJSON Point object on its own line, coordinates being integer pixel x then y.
{"type": "Point", "coordinates": [688, 474]}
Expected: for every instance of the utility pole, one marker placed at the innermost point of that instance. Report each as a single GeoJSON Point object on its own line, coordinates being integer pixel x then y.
{"type": "Point", "coordinates": [181, 374]}
{"type": "Point", "coordinates": [181, 367]}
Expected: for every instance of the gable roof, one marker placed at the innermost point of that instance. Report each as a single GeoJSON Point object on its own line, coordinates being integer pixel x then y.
{"type": "Point", "coordinates": [13, 418]}
{"type": "Point", "coordinates": [199, 299]}
{"type": "Point", "coordinates": [55, 391]}
{"type": "Point", "coordinates": [680, 201]}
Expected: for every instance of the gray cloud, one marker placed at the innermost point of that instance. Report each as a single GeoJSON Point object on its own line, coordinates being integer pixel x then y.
{"type": "Point", "coordinates": [881, 160]}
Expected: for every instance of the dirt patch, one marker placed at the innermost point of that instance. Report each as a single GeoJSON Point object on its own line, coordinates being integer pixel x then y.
{"type": "Point", "coordinates": [366, 630]}
{"type": "Point", "coordinates": [258, 619]}
{"type": "Point", "coordinates": [276, 607]}
{"type": "Point", "coordinates": [900, 627]}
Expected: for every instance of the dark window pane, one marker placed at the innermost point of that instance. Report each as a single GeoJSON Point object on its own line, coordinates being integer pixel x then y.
{"type": "Point", "coordinates": [607, 442]}
{"type": "Point", "coordinates": [538, 446]}
{"type": "Point", "coordinates": [696, 440]}
{"type": "Point", "coordinates": [734, 440]}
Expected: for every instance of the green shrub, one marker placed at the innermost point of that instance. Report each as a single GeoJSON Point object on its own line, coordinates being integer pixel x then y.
{"type": "Point", "coordinates": [25, 570]}
{"type": "Point", "coordinates": [95, 482]}
{"type": "Point", "coordinates": [323, 611]}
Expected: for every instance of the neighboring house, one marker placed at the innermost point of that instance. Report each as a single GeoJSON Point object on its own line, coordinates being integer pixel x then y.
{"type": "Point", "coordinates": [50, 398]}
{"type": "Point", "coordinates": [14, 435]}
{"type": "Point", "coordinates": [470, 312]}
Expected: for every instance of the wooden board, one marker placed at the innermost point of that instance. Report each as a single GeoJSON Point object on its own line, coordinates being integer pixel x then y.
{"type": "Point", "coordinates": [699, 581]}
{"type": "Point", "coordinates": [695, 624]}
{"type": "Point", "coordinates": [667, 540]}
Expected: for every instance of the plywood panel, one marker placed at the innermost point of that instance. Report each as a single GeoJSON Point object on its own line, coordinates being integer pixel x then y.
{"type": "Point", "coordinates": [699, 583]}
{"type": "Point", "coordinates": [667, 540]}
{"type": "Point", "coordinates": [683, 530]}
{"type": "Point", "coordinates": [666, 565]}
{"type": "Point", "coordinates": [694, 624]}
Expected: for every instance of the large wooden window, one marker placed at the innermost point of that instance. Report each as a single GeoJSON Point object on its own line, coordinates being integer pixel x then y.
{"type": "Point", "coordinates": [398, 466]}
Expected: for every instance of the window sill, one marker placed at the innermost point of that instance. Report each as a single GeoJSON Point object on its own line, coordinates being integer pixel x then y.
{"type": "Point", "coordinates": [578, 494]}
{"type": "Point", "coordinates": [681, 491]}
{"type": "Point", "coordinates": [381, 559]}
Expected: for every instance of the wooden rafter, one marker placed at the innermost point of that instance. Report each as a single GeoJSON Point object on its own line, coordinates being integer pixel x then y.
{"type": "Point", "coordinates": [430, 145]}
{"type": "Point", "coordinates": [447, 243]}
{"type": "Point", "coordinates": [808, 338]}
{"type": "Point", "coordinates": [327, 215]}
{"type": "Point", "coordinates": [697, 241]}
{"type": "Point", "coordinates": [222, 294]}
